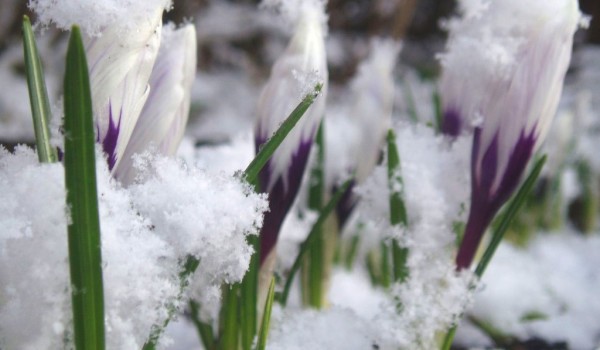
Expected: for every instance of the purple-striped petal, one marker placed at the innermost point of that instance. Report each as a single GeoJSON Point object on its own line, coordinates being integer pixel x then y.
{"type": "Point", "coordinates": [120, 65]}
{"type": "Point", "coordinates": [162, 120]}
{"type": "Point", "coordinates": [503, 76]}
{"type": "Point", "coordinates": [296, 72]}
{"type": "Point", "coordinates": [486, 199]}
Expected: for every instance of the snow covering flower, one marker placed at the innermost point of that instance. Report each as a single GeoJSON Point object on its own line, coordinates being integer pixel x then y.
{"type": "Point", "coordinates": [370, 117]}
{"type": "Point", "coordinates": [503, 75]}
{"type": "Point", "coordinates": [294, 74]}
{"type": "Point", "coordinates": [163, 118]}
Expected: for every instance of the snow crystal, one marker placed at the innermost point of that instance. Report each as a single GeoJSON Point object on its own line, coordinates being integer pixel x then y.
{"type": "Point", "coordinates": [95, 16]}
{"type": "Point", "coordinates": [34, 289]}
{"type": "Point", "coordinates": [210, 214]}
{"type": "Point", "coordinates": [555, 277]}
{"type": "Point", "coordinates": [331, 329]}
{"type": "Point", "coordinates": [147, 232]}
{"type": "Point", "coordinates": [436, 189]}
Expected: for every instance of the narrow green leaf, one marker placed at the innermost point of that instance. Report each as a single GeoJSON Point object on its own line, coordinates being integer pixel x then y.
{"type": "Point", "coordinates": [398, 215]}
{"type": "Point", "coordinates": [449, 338]}
{"type": "Point", "coordinates": [437, 105]}
{"type": "Point", "coordinates": [397, 208]}
{"type": "Point", "coordinates": [205, 330]}
{"type": "Point", "coordinates": [85, 256]}
{"type": "Point", "coordinates": [38, 95]}
{"type": "Point", "coordinates": [267, 150]}
{"type": "Point", "coordinates": [228, 319]}
{"type": "Point", "coordinates": [352, 252]}
{"type": "Point", "coordinates": [266, 321]}
{"type": "Point", "coordinates": [410, 101]}
{"type": "Point", "coordinates": [508, 215]}
{"type": "Point", "coordinates": [189, 267]}
{"type": "Point", "coordinates": [384, 268]}
{"type": "Point", "coordinates": [312, 236]}
{"type": "Point", "coordinates": [372, 269]}
{"type": "Point", "coordinates": [249, 297]}
{"type": "Point", "coordinates": [315, 258]}
{"type": "Point", "coordinates": [500, 339]}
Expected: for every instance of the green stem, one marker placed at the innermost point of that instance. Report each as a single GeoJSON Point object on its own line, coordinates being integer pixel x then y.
{"type": "Point", "coordinates": [266, 321]}
{"type": "Point", "coordinates": [315, 258]}
{"type": "Point", "coordinates": [229, 329]}
{"type": "Point", "coordinates": [205, 330]}
{"type": "Point", "coordinates": [189, 267]}
{"type": "Point", "coordinates": [311, 237]}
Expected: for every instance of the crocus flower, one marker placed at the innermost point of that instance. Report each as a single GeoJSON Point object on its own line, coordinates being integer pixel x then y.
{"type": "Point", "coordinates": [296, 72]}
{"type": "Point", "coordinates": [370, 117]}
{"type": "Point", "coordinates": [120, 65]}
{"type": "Point", "coordinates": [504, 73]}
{"type": "Point", "coordinates": [163, 118]}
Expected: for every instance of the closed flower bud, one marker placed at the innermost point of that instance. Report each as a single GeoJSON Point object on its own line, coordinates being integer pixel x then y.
{"type": "Point", "coordinates": [120, 66]}
{"type": "Point", "coordinates": [503, 77]}
{"type": "Point", "coordinates": [370, 116]}
{"type": "Point", "coordinates": [162, 120]}
{"type": "Point", "coordinates": [294, 74]}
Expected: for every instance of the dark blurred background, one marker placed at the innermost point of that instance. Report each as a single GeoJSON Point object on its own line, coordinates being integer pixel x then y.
{"type": "Point", "coordinates": [417, 22]}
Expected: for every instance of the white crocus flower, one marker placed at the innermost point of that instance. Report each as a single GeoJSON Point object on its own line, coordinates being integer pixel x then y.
{"type": "Point", "coordinates": [120, 63]}
{"type": "Point", "coordinates": [162, 120]}
{"type": "Point", "coordinates": [503, 76]}
{"type": "Point", "coordinates": [369, 119]}
{"type": "Point", "coordinates": [294, 74]}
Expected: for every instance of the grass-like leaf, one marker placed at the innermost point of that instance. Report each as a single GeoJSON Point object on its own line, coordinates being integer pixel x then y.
{"type": "Point", "coordinates": [85, 256]}
{"type": "Point", "coordinates": [205, 330]}
{"type": "Point", "coordinates": [323, 214]}
{"type": "Point", "coordinates": [398, 215]}
{"type": "Point", "coordinates": [249, 297]}
{"type": "Point", "coordinates": [38, 95]}
{"type": "Point", "coordinates": [315, 258]}
{"type": "Point", "coordinates": [190, 265]}
{"type": "Point", "coordinates": [508, 215]}
{"type": "Point", "coordinates": [266, 321]}
{"type": "Point", "coordinates": [229, 326]}
{"type": "Point", "coordinates": [267, 150]}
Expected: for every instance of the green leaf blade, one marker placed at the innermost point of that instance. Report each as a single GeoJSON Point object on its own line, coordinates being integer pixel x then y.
{"type": "Point", "coordinates": [398, 215]}
{"type": "Point", "coordinates": [267, 150]}
{"type": "Point", "coordinates": [38, 95]}
{"type": "Point", "coordinates": [85, 256]}
{"type": "Point", "coordinates": [266, 321]}
{"type": "Point", "coordinates": [325, 212]}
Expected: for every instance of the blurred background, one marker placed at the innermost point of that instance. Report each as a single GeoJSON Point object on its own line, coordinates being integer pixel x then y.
{"type": "Point", "coordinates": [237, 45]}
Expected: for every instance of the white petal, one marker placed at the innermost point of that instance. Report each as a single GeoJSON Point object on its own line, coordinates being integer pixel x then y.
{"type": "Point", "coordinates": [303, 58]}
{"type": "Point", "coordinates": [505, 67]}
{"type": "Point", "coordinates": [373, 103]}
{"type": "Point", "coordinates": [120, 67]}
{"type": "Point", "coordinates": [162, 121]}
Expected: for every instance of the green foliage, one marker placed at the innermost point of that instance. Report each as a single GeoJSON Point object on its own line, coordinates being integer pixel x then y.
{"type": "Point", "coordinates": [85, 258]}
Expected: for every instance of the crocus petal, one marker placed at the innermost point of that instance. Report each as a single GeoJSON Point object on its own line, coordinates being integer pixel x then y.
{"type": "Point", "coordinates": [162, 120]}
{"type": "Point", "coordinates": [304, 59]}
{"type": "Point", "coordinates": [520, 97]}
{"type": "Point", "coordinates": [120, 66]}
{"type": "Point", "coordinates": [370, 117]}
{"type": "Point", "coordinates": [373, 91]}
